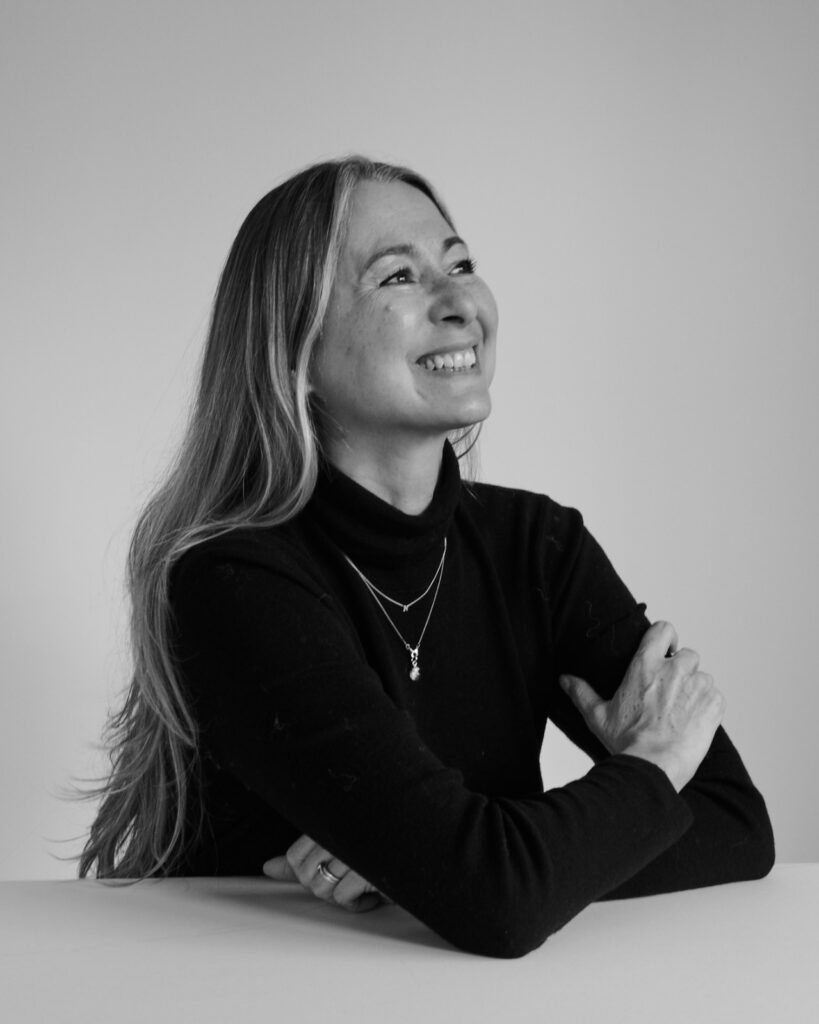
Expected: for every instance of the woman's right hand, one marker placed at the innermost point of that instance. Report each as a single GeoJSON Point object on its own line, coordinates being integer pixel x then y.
{"type": "Point", "coordinates": [665, 710]}
{"type": "Point", "coordinates": [303, 863]}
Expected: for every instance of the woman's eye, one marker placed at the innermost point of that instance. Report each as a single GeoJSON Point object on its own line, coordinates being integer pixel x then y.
{"type": "Point", "coordinates": [403, 275]}
{"type": "Point", "coordinates": [467, 266]}
{"type": "Point", "coordinates": [400, 276]}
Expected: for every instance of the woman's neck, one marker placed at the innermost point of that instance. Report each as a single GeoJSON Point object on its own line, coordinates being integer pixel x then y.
{"type": "Point", "coordinates": [403, 475]}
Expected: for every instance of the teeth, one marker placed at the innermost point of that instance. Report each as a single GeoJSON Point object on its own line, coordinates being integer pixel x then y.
{"type": "Point", "coordinates": [451, 361]}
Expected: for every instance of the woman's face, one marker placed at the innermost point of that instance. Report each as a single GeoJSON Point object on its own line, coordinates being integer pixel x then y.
{"type": "Point", "coordinates": [408, 342]}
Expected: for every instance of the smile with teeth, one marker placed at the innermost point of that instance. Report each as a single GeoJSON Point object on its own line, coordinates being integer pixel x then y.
{"type": "Point", "coordinates": [450, 362]}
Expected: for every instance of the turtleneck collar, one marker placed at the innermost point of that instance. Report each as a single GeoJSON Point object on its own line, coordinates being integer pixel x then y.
{"type": "Point", "coordinates": [369, 529]}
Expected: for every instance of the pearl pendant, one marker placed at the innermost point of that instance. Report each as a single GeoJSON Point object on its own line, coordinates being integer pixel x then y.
{"type": "Point", "coordinates": [415, 672]}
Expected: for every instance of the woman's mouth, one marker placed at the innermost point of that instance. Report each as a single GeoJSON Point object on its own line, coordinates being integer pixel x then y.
{"type": "Point", "coordinates": [459, 361]}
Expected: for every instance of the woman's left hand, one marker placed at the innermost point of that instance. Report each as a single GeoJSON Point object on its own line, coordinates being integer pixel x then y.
{"type": "Point", "coordinates": [335, 884]}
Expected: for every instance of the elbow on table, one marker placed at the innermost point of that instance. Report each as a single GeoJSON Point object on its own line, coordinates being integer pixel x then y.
{"type": "Point", "coordinates": [497, 943]}
{"type": "Point", "coordinates": [495, 930]}
{"type": "Point", "coordinates": [761, 845]}
{"type": "Point", "coordinates": [755, 853]}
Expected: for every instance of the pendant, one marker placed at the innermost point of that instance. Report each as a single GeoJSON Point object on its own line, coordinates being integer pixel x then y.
{"type": "Point", "coordinates": [415, 672]}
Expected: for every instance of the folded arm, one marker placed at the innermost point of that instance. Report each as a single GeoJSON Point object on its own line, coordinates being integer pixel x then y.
{"type": "Point", "coordinates": [597, 627]}
{"type": "Point", "coordinates": [289, 705]}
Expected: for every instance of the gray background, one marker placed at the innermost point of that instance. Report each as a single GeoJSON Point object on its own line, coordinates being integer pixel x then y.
{"type": "Point", "coordinates": [638, 183]}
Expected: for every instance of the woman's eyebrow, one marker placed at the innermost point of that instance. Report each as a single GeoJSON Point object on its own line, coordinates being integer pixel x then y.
{"type": "Point", "coordinates": [408, 249]}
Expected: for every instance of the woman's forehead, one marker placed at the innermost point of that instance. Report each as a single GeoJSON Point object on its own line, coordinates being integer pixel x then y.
{"type": "Point", "coordinates": [390, 213]}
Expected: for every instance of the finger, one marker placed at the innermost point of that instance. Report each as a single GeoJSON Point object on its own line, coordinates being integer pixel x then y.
{"type": "Point", "coordinates": [658, 640]}
{"type": "Point", "coordinates": [583, 696]}
{"type": "Point", "coordinates": [299, 851]}
{"type": "Point", "coordinates": [319, 884]}
{"type": "Point", "coordinates": [279, 870]}
{"type": "Point", "coordinates": [350, 890]}
{"type": "Point", "coordinates": [369, 901]}
{"type": "Point", "coordinates": [687, 659]}
{"type": "Point", "coordinates": [304, 857]}
{"type": "Point", "coordinates": [334, 867]}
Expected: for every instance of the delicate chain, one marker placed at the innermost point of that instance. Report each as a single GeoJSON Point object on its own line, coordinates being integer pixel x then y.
{"type": "Point", "coordinates": [415, 670]}
{"type": "Point", "coordinates": [400, 604]}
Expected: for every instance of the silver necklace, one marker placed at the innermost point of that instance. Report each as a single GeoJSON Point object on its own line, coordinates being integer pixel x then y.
{"type": "Point", "coordinates": [415, 669]}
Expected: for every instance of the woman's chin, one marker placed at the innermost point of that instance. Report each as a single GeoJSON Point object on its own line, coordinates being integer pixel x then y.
{"type": "Point", "coordinates": [474, 411]}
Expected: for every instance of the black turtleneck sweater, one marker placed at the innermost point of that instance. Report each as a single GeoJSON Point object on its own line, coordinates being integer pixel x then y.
{"type": "Point", "coordinates": [431, 789]}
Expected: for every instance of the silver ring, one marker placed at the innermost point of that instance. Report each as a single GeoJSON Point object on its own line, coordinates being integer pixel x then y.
{"type": "Point", "coordinates": [327, 874]}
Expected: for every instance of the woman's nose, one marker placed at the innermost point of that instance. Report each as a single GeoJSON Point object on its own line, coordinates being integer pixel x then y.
{"type": "Point", "coordinates": [453, 302]}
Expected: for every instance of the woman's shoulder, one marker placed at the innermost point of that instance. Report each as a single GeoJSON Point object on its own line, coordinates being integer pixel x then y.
{"type": "Point", "coordinates": [500, 508]}
{"type": "Point", "coordinates": [526, 532]}
{"type": "Point", "coordinates": [279, 549]}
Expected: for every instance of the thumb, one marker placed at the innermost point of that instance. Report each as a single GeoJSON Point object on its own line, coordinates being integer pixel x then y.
{"type": "Point", "coordinates": [279, 870]}
{"type": "Point", "coordinates": [584, 697]}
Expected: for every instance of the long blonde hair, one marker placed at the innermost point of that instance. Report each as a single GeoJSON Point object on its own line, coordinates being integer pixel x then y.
{"type": "Point", "coordinates": [249, 457]}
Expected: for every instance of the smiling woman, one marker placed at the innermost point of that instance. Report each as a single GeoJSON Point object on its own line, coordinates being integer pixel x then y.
{"type": "Point", "coordinates": [408, 343]}
{"type": "Point", "coordinates": [345, 657]}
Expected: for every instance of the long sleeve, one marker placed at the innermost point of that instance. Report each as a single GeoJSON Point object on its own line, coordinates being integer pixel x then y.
{"type": "Point", "coordinates": [288, 704]}
{"type": "Point", "coordinates": [598, 626]}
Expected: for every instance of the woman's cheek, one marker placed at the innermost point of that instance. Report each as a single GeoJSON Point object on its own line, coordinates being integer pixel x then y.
{"type": "Point", "coordinates": [488, 308]}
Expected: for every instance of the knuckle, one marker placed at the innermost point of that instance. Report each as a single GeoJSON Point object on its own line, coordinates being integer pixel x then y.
{"type": "Point", "coordinates": [662, 626]}
{"type": "Point", "coordinates": [692, 660]}
{"type": "Point", "coordinates": [307, 878]}
{"type": "Point", "coordinates": [299, 869]}
{"type": "Point", "coordinates": [345, 896]}
{"type": "Point", "coordinates": [701, 685]}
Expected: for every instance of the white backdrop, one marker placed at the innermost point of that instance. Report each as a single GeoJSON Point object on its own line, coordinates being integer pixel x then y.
{"type": "Point", "coordinates": [638, 183]}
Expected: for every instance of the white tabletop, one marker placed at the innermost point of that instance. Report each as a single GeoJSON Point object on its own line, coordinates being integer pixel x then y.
{"type": "Point", "coordinates": [248, 950]}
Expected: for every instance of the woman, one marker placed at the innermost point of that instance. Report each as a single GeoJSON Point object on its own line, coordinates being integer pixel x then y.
{"type": "Point", "coordinates": [345, 657]}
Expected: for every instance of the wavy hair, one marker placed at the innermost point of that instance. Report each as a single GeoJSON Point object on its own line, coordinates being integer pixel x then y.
{"type": "Point", "coordinates": [249, 457]}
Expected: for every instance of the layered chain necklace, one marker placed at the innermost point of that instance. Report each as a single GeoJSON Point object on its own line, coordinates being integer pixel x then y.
{"type": "Point", "coordinates": [415, 669]}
